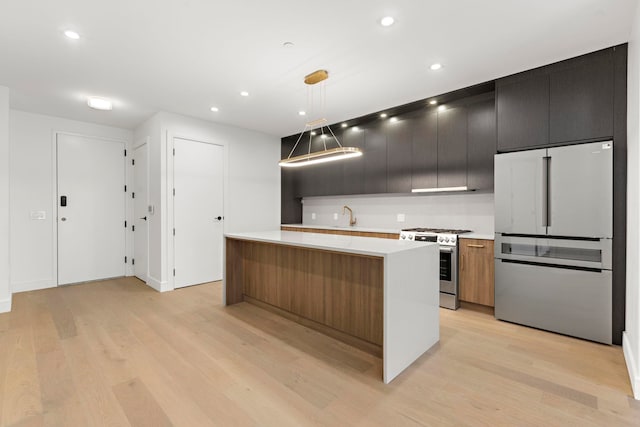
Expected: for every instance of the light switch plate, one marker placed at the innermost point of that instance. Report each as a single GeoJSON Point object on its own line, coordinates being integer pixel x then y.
{"type": "Point", "coordinates": [38, 215]}
{"type": "Point", "coordinates": [401, 218]}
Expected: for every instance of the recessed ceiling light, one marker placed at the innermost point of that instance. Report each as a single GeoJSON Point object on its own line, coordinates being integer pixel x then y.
{"type": "Point", "coordinates": [287, 44]}
{"type": "Point", "coordinates": [214, 109]}
{"type": "Point", "coordinates": [393, 119]}
{"type": "Point", "coordinates": [99, 103]}
{"type": "Point", "coordinates": [344, 125]}
{"type": "Point", "coordinates": [383, 115]}
{"type": "Point", "coordinates": [442, 108]}
{"type": "Point", "coordinates": [244, 93]}
{"type": "Point", "coordinates": [387, 21]}
{"type": "Point", "coordinates": [435, 66]}
{"type": "Point", "coordinates": [72, 34]}
{"type": "Point", "coordinates": [355, 128]}
{"type": "Point", "coordinates": [302, 113]}
{"type": "Point", "coordinates": [433, 102]}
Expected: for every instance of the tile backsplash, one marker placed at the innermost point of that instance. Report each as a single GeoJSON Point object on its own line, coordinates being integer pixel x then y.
{"type": "Point", "coordinates": [472, 211]}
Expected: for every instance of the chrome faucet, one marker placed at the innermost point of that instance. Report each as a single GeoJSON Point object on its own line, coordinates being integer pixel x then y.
{"type": "Point", "coordinates": [352, 220]}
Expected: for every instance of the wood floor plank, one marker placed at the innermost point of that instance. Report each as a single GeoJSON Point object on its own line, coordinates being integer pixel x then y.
{"type": "Point", "coordinates": [139, 405]}
{"type": "Point", "coordinates": [117, 353]}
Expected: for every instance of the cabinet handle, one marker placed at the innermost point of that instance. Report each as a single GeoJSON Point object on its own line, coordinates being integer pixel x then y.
{"type": "Point", "coordinates": [475, 246]}
{"type": "Point", "coordinates": [461, 262]}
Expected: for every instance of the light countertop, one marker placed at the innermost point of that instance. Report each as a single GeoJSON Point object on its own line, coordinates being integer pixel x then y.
{"type": "Point", "coordinates": [333, 242]}
{"type": "Point", "coordinates": [482, 236]}
{"type": "Point", "coordinates": [342, 228]}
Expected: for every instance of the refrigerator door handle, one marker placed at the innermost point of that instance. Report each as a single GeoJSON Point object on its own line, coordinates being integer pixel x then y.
{"type": "Point", "coordinates": [546, 163]}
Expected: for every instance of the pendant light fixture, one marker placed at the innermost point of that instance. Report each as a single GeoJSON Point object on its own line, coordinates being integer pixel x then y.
{"type": "Point", "coordinates": [319, 127]}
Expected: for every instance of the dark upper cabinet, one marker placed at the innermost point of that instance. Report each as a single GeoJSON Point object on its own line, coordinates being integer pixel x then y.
{"type": "Point", "coordinates": [581, 105]}
{"type": "Point", "coordinates": [398, 155]}
{"type": "Point", "coordinates": [353, 169]}
{"type": "Point", "coordinates": [375, 159]}
{"type": "Point", "coordinates": [424, 157]}
{"type": "Point", "coordinates": [522, 108]}
{"type": "Point", "coordinates": [322, 179]}
{"type": "Point", "coordinates": [452, 147]}
{"type": "Point", "coordinates": [481, 144]}
{"type": "Point", "coordinates": [290, 206]}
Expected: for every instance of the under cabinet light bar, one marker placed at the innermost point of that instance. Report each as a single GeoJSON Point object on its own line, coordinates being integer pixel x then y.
{"type": "Point", "coordinates": [439, 190]}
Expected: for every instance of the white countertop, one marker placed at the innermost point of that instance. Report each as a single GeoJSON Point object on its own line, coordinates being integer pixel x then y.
{"type": "Point", "coordinates": [354, 228]}
{"type": "Point", "coordinates": [483, 236]}
{"type": "Point", "coordinates": [333, 242]}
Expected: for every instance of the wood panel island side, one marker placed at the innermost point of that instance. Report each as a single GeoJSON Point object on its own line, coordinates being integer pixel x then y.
{"type": "Point", "coordinates": [379, 295]}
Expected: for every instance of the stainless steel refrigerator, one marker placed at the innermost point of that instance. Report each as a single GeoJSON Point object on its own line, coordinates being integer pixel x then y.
{"type": "Point", "coordinates": [553, 224]}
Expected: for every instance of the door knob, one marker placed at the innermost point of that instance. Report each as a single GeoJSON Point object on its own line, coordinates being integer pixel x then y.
{"type": "Point", "coordinates": [219, 218]}
{"type": "Point", "coordinates": [144, 217]}
{"type": "Point", "coordinates": [63, 219]}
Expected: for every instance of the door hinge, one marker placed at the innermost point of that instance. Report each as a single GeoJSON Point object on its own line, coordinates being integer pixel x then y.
{"type": "Point", "coordinates": [133, 195]}
{"type": "Point", "coordinates": [125, 188]}
{"type": "Point", "coordinates": [174, 191]}
{"type": "Point", "coordinates": [133, 261]}
{"type": "Point", "coordinates": [125, 153]}
{"type": "Point", "coordinates": [125, 224]}
{"type": "Point", "coordinates": [125, 260]}
{"type": "Point", "coordinates": [174, 272]}
{"type": "Point", "coordinates": [174, 151]}
{"type": "Point", "coordinates": [133, 162]}
{"type": "Point", "coordinates": [174, 231]}
{"type": "Point", "coordinates": [133, 228]}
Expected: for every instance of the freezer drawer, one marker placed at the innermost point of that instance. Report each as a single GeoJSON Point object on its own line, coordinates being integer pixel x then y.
{"type": "Point", "coordinates": [563, 300]}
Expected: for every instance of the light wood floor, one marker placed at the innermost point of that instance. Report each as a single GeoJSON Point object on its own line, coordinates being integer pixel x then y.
{"type": "Point", "coordinates": [118, 353]}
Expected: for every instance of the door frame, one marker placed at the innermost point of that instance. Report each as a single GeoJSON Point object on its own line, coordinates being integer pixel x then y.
{"type": "Point", "coordinates": [170, 137]}
{"type": "Point", "coordinates": [54, 199]}
{"type": "Point", "coordinates": [131, 212]}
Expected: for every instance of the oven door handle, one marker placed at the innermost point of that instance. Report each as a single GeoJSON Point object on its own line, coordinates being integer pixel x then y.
{"type": "Point", "coordinates": [450, 250]}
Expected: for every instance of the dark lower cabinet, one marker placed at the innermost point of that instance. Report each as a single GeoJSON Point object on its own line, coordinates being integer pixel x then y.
{"type": "Point", "coordinates": [424, 146]}
{"type": "Point", "coordinates": [581, 104]}
{"type": "Point", "coordinates": [290, 203]}
{"type": "Point", "coordinates": [398, 155]}
{"type": "Point", "coordinates": [375, 159]}
{"type": "Point", "coordinates": [522, 107]}
{"type": "Point", "coordinates": [481, 144]}
{"type": "Point", "coordinates": [452, 147]}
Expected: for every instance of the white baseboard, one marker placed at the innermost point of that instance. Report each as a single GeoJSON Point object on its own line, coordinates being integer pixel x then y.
{"type": "Point", "coordinates": [32, 286]}
{"type": "Point", "coordinates": [632, 367]}
{"type": "Point", "coordinates": [5, 305]}
{"type": "Point", "coordinates": [159, 285]}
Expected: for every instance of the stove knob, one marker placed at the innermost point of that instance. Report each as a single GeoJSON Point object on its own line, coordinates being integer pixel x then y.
{"type": "Point", "coordinates": [446, 239]}
{"type": "Point", "coordinates": [440, 239]}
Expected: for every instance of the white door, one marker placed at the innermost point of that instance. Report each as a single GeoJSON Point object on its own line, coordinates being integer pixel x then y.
{"type": "Point", "coordinates": [198, 210]}
{"type": "Point", "coordinates": [140, 203]}
{"type": "Point", "coordinates": [91, 209]}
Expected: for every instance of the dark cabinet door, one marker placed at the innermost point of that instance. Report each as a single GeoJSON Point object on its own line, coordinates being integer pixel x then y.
{"type": "Point", "coordinates": [522, 107]}
{"type": "Point", "coordinates": [398, 155]}
{"type": "Point", "coordinates": [582, 100]}
{"type": "Point", "coordinates": [424, 141]}
{"type": "Point", "coordinates": [375, 159]}
{"type": "Point", "coordinates": [321, 179]}
{"type": "Point", "coordinates": [452, 147]}
{"type": "Point", "coordinates": [353, 169]}
{"type": "Point", "coordinates": [290, 206]}
{"type": "Point", "coordinates": [481, 144]}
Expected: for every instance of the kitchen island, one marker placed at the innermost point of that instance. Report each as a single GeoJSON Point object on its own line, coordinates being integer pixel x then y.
{"type": "Point", "coordinates": [380, 295]}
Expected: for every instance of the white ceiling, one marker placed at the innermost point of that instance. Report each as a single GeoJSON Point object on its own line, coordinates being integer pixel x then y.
{"type": "Point", "coordinates": [185, 56]}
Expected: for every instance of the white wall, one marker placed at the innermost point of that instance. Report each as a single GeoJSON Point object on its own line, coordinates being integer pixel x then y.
{"type": "Point", "coordinates": [5, 287]}
{"type": "Point", "coordinates": [470, 211]}
{"type": "Point", "coordinates": [33, 188]}
{"type": "Point", "coordinates": [631, 337]}
{"type": "Point", "coordinates": [251, 188]}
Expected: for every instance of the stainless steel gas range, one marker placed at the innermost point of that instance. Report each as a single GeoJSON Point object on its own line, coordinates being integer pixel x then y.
{"type": "Point", "coordinates": [448, 241]}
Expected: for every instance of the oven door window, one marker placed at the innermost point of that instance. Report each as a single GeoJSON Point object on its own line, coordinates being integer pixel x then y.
{"type": "Point", "coordinates": [445, 266]}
